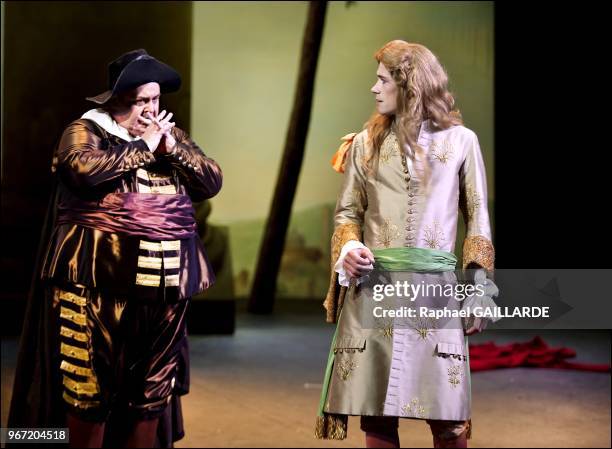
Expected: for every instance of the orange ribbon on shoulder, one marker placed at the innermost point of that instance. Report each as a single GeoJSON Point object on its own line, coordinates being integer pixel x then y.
{"type": "Point", "coordinates": [339, 159]}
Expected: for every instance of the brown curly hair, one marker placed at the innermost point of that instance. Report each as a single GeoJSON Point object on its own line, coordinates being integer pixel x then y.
{"type": "Point", "coordinates": [422, 94]}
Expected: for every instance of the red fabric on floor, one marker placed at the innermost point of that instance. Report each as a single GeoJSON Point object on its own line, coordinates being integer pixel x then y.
{"type": "Point", "coordinates": [534, 353]}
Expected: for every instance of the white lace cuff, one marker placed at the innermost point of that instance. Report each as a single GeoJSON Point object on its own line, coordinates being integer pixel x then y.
{"type": "Point", "coordinates": [483, 300]}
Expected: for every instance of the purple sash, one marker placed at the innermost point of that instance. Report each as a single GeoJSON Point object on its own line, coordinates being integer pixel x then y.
{"type": "Point", "coordinates": [151, 216]}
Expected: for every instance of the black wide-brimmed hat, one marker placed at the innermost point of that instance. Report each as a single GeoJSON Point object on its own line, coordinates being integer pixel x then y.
{"type": "Point", "coordinates": [135, 68]}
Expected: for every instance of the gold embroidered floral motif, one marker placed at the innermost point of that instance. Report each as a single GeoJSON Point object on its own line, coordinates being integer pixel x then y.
{"type": "Point", "coordinates": [443, 151]}
{"type": "Point", "coordinates": [471, 201]}
{"type": "Point", "coordinates": [387, 332]}
{"type": "Point", "coordinates": [365, 159]}
{"type": "Point", "coordinates": [455, 373]}
{"type": "Point", "coordinates": [345, 368]}
{"type": "Point", "coordinates": [434, 236]}
{"type": "Point", "coordinates": [385, 327]}
{"type": "Point", "coordinates": [388, 233]}
{"type": "Point", "coordinates": [390, 148]}
{"type": "Point", "coordinates": [357, 198]}
{"type": "Point", "coordinates": [414, 408]}
{"type": "Point", "coordinates": [422, 326]}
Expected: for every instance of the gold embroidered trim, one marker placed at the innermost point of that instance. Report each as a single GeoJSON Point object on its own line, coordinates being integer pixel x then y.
{"type": "Point", "coordinates": [335, 294]}
{"type": "Point", "coordinates": [78, 336]}
{"type": "Point", "coordinates": [143, 188]}
{"type": "Point", "coordinates": [342, 234]}
{"type": "Point", "coordinates": [74, 369]}
{"type": "Point", "coordinates": [172, 280]}
{"type": "Point", "coordinates": [157, 176]}
{"type": "Point", "coordinates": [84, 388]}
{"type": "Point", "coordinates": [172, 262]}
{"type": "Point", "coordinates": [349, 345]}
{"type": "Point", "coordinates": [166, 245]}
{"type": "Point", "coordinates": [167, 189]}
{"type": "Point", "coordinates": [150, 246]}
{"type": "Point", "coordinates": [171, 245]}
{"type": "Point", "coordinates": [150, 262]}
{"type": "Point", "coordinates": [79, 403]}
{"type": "Point", "coordinates": [71, 297]}
{"type": "Point", "coordinates": [156, 262]}
{"type": "Point", "coordinates": [148, 280]}
{"type": "Point", "coordinates": [478, 249]}
{"type": "Point", "coordinates": [73, 351]}
{"type": "Point", "coordinates": [71, 315]}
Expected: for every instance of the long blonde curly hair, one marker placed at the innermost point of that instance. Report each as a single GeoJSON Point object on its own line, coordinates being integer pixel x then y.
{"type": "Point", "coordinates": [422, 94]}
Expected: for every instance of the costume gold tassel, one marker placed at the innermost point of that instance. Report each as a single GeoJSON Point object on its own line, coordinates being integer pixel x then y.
{"type": "Point", "coordinates": [331, 427]}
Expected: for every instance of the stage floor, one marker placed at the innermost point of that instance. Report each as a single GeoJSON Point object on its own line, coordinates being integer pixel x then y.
{"type": "Point", "coordinates": [260, 388]}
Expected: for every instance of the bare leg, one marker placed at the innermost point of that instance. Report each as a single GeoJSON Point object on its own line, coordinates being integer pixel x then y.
{"type": "Point", "coordinates": [84, 433]}
{"type": "Point", "coordinates": [143, 433]}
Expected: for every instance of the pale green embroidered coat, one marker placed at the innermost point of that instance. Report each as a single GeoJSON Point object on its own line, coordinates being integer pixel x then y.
{"type": "Point", "coordinates": [410, 372]}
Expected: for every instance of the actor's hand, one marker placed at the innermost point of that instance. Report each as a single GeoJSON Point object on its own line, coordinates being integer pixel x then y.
{"type": "Point", "coordinates": [478, 325]}
{"type": "Point", "coordinates": [169, 142]}
{"type": "Point", "coordinates": [358, 262]}
{"type": "Point", "coordinates": [157, 127]}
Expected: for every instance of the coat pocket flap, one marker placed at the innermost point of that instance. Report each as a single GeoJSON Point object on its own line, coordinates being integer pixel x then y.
{"type": "Point", "coordinates": [450, 349]}
{"type": "Point", "coordinates": [349, 344]}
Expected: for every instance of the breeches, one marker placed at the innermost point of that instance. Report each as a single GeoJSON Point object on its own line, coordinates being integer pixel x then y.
{"type": "Point", "coordinates": [119, 352]}
{"type": "Point", "coordinates": [442, 429]}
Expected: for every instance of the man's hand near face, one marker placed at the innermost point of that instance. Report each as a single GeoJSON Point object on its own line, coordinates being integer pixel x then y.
{"type": "Point", "coordinates": [156, 128]}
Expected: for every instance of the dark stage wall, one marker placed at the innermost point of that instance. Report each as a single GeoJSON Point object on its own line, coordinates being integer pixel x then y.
{"type": "Point", "coordinates": [56, 54]}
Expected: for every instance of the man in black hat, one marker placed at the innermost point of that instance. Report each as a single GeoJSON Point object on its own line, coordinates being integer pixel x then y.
{"type": "Point", "coordinates": [104, 349]}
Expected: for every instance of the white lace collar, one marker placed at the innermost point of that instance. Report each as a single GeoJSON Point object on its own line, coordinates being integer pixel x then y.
{"type": "Point", "coordinates": [104, 119]}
